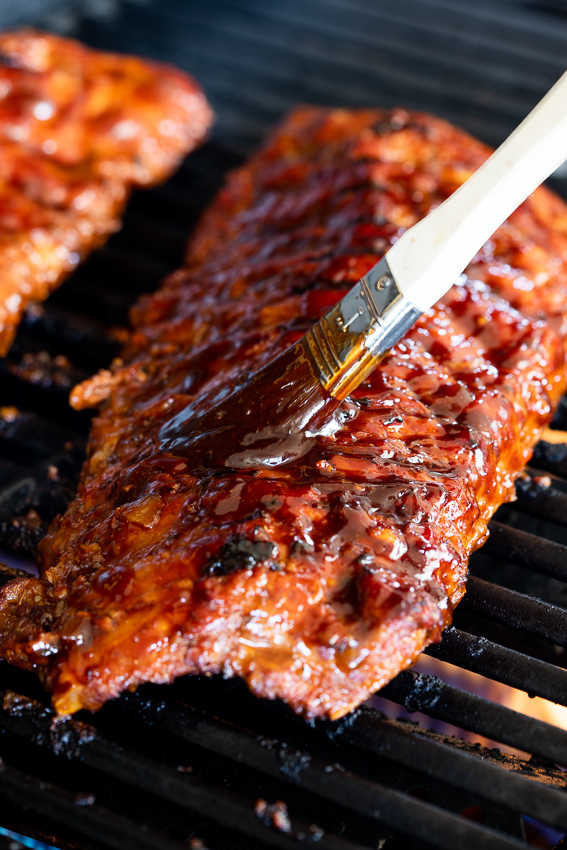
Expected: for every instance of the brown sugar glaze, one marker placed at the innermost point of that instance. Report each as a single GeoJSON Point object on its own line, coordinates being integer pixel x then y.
{"type": "Point", "coordinates": [319, 579]}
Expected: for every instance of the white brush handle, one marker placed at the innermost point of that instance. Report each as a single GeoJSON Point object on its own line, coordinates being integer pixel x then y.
{"type": "Point", "coordinates": [430, 256]}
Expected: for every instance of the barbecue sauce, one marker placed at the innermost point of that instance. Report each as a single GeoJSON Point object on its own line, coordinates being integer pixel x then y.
{"type": "Point", "coordinates": [272, 419]}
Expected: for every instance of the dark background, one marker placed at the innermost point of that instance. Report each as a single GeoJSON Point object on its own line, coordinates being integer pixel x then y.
{"type": "Point", "coordinates": [480, 63]}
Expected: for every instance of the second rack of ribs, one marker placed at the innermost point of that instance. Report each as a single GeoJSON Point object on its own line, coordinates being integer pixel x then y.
{"type": "Point", "coordinates": [318, 580]}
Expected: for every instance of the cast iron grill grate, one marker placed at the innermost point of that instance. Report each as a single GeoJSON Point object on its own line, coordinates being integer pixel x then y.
{"type": "Point", "coordinates": [186, 765]}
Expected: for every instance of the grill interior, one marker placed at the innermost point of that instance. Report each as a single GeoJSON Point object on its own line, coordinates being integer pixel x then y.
{"type": "Point", "coordinates": [200, 763]}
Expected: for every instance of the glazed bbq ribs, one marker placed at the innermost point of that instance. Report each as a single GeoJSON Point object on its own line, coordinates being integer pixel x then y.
{"type": "Point", "coordinates": [316, 581]}
{"type": "Point", "coordinates": [78, 129]}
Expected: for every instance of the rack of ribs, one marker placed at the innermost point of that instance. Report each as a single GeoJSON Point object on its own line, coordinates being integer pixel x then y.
{"type": "Point", "coordinates": [78, 129]}
{"type": "Point", "coordinates": [318, 580]}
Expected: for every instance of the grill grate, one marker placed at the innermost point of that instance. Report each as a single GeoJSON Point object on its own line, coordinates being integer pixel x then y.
{"type": "Point", "coordinates": [185, 765]}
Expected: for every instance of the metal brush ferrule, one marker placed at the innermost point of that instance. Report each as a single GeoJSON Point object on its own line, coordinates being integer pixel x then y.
{"type": "Point", "coordinates": [347, 343]}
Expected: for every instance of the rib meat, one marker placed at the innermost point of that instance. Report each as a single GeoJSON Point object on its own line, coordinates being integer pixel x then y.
{"type": "Point", "coordinates": [78, 129]}
{"type": "Point", "coordinates": [316, 581]}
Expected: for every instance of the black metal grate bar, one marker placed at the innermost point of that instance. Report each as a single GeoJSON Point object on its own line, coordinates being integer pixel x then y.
{"type": "Point", "coordinates": [431, 696]}
{"type": "Point", "coordinates": [516, 610]}
{"type": "Point", "coordinates": [527, 550]}
{"type": "Point", "coordinates": [540, 499]}
{"type": "Point", "coordinates": [512, 668]}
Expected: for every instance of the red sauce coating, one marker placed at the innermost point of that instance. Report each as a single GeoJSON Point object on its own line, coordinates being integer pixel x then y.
{"type": "Point", "coordinates": [317, 580]}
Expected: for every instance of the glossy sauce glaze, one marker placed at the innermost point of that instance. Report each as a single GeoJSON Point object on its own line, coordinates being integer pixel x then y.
{"type": "Point", "coordinates": [269, 418]}
{"type": "Point", "coordinates": [319, 579]}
